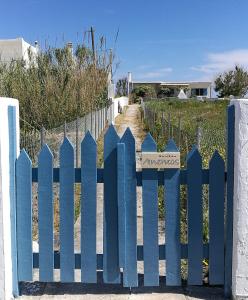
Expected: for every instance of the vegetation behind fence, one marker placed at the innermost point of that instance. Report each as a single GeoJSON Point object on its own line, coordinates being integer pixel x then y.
{"type": "Point", "coordinates": [58, 85]}
{"type": "Point", "coordinates": [94, 122]}
{"type": "Point", "coordinates": [191, 122]}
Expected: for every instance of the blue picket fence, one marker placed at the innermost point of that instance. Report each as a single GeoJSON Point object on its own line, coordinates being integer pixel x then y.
{"type": "Point", "coordinates": [120, 179]}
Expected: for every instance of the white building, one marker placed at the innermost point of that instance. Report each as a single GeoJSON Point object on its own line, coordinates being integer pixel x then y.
{"type": "Point", "coordinates": [191, 88]}
{"type": "Point", "coordinates": [16, 49]}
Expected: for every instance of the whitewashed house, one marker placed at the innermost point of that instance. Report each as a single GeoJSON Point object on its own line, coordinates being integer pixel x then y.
{"type": "Point", "coordinates": [17, 49]}
{"type": "Point", "coordinates": [191, 88]}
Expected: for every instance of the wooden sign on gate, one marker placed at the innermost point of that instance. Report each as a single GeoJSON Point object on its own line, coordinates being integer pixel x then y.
{"type": "Point", "coordinates": [160, 160]}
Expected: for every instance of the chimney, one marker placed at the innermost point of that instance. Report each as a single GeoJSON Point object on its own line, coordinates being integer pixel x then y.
{"type": "Point", "coordinates": [129, 77]}
{"type": "Point", "coordinates": [69, 45]}
{"type": "Point", "coordinates": [36, 45]}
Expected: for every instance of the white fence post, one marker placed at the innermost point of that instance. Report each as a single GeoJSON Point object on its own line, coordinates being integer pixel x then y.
{"type": "Point", "coordinates": [240, 202]}
{"type": "Point", "coordinates": [9, 149]}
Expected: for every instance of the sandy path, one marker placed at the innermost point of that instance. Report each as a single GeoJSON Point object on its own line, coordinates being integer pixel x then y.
{"type": "Point", "coordinates": [131, 119]}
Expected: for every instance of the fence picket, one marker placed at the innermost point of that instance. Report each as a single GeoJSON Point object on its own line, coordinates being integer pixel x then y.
{"type": "Point", "coordinates": [88, 209]}
{"type": "Point", "coordinates": [24, 217]}
{"type": "Point", "coordinates": [121, 202]}
{"type": "Point", "coordinates": [195, 243]}
{"type": "Point", "coordinates": [130, 276]}
{"type": "Point", "coordinates": [216, 219]}
{"type": "Point", "coordinates": [111, 272]}
{"type": "Point", "coordinates": [45, 209]}
{"type": "Point", "coordinates": [150, 218]}
{"type": "Point", "coordinates": [172, 219]}
{"type": "Point", "coordinates": [120, 180]}
{"type": "Point", "coordinates": [66, 197]}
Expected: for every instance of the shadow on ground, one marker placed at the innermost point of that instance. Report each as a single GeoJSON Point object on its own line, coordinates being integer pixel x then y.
{"type": "Point", "coordinates": [77, 288]}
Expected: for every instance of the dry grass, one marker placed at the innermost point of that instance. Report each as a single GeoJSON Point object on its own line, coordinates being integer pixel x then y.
{"type": "Point", "coordinates": [57, 86]}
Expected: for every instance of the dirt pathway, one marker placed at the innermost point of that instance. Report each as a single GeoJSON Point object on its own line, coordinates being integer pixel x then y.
{"type": "Point", "coordinates": [131, 119]}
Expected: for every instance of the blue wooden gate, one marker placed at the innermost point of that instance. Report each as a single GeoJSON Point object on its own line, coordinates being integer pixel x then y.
{"type": "Point", "coordinates": [120, 249]}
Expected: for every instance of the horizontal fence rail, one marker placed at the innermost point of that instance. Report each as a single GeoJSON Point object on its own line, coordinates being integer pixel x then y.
{"type": "Point", "coordinates": [100, 175]}
{"type": "Point", "coordinates": [120, 249]}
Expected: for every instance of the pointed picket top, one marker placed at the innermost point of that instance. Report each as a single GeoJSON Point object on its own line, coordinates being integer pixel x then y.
{"type": "Point", "coordinates": [216, 159]}
{"type": "Point", "coordinates": [45, 152]}
{"type": "Point", "coordinates": [149, 144]}
{"type": "Point", "coordinates": [194, 154]}
{"type": "Point", "coordinates": [127, 136]}
{"type": "Point", "coordinates": [66, 145]}
{"type": "Point", "coordinates": [24, 158]}
{"type": "Point", "coordinates": [171, 146]}
{"type": "Point", "coordinates": [88, 139]}
{"type": "Point", "coordinates": [111, 132]}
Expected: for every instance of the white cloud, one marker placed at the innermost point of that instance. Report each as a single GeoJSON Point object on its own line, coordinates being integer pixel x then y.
{"type": "Point", "coordinates": [219, 62]}
{"type": "Point", "coordinates": [154, 74]}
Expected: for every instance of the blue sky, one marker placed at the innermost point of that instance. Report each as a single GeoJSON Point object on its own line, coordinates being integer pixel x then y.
{"type": "Point", "coordinates": [158, 40]}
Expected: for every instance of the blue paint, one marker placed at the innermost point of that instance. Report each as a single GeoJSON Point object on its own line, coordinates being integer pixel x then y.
{"type": "Point", "coordinates": [150, 218]}
{"type": "Point", "coordinates": [216, 219]}
{"type": "Point", "coordinates": [24, 217]}
{"type": "Point", "coordinates": [88, 209]}
{"type": "Point", "coordinates": [229, 199]}
{"type": "Point", "coordinates": [45, 214]}
{"type": "Point", "coordinates": [130, 276]}
{"type": "Point", "coordinates": [111, 271]}
{"type": "Point", "coordinates": [162, 256]}
{"type": "Point", "coordinates": [172, 221]}
{"type": "Point", "coordinates": [121, 202]}
{"type": "Point", "coordinates": [12, 191]}
{"type": "Point", "coordinates": [120, 180]}
{"type": "Point", "coordinates": [195, 219]}
{"type": "Point", "coordinates": [66, 208]}
{"type": "Point", "coordinates": [161, 176]}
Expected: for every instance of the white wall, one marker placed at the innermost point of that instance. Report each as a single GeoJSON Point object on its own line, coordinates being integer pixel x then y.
{"type": "Point", "coordinates": [123, 102]}
{"type": "Point", "coordinates": [15, 49]}
{"type": "Point", "coordinates": [7, 262]}
{"type": "Point", "coordinates": [240, 202]}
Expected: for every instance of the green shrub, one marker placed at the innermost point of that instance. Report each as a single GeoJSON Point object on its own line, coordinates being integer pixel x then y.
{"type": "Point", "coordinates": [143, 91]}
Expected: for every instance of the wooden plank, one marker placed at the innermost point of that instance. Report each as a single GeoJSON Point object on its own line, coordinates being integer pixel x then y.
{"type": "Point", "coordinates": [24, 217]}
{"type": "Point", "coordinates": [121, 202]}
{"type": "Point", "coordinates": [45, 211]}
{"type": "Point", "coordinates": [216, 219]}
{"type": "Point", "coordinates": [13, 150]}
{"type": "Point", "coordinates": [150, 218]}
{"type": "Point", "coordinates": [172, 221]}
{"type": "Point", "coordinates": [100, 171]}
{"type": "Point", "coordinates": [66, 209]}
{"type": "Point", "coordinates": [88, 209]}
{"type": "Point", "coordinates": [229, 199]}
{"type": "Point", "coordinates": [162, 256]}
{"type": "Point", "coordinates": [111, 272]}
{"type": "Point", "coordinates": [194, 165]}
{"type": "Point", "coordinates": [130, 276]}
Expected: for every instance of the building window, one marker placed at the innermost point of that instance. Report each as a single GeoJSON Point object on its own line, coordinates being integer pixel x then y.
{"type": "Point", "coordinates": [199, 92]}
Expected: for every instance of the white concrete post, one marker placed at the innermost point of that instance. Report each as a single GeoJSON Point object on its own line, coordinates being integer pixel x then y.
{"type": "Point", "coordinates": [9, 149]}
{"type": "Point", "coordinates": [240, 202]}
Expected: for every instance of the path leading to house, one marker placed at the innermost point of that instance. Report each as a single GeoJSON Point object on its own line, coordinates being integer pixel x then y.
{"type": "Point", "coordinates": [132, 119]}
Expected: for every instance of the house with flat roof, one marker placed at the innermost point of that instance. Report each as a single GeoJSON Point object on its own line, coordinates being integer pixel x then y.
{"type": "Point", "coordinates": [192, 89]}
{"type": "Point", "coordinates": [16, 49]}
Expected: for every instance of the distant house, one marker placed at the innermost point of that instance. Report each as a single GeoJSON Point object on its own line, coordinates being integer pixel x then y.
{"type": "Point", "coordinates": [191, 88]}
{"type": "Point", "coordinates": [16, 49]}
